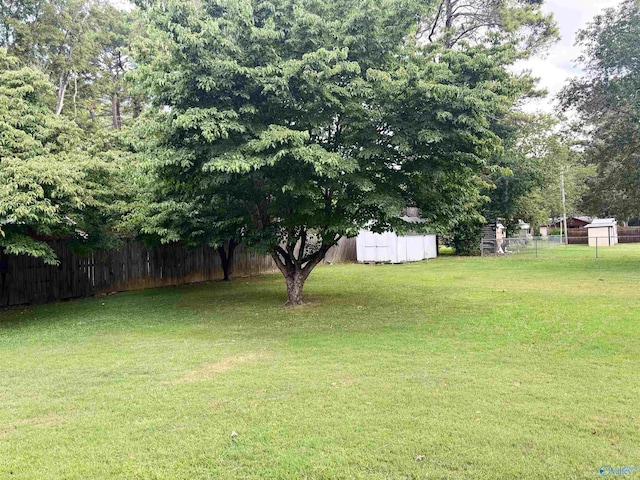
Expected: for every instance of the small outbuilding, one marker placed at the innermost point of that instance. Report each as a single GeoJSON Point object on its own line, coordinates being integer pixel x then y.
{"type": "Point", "coordinates": [389, 247]}
{"type": "Point", "coordinates": [603, 232]}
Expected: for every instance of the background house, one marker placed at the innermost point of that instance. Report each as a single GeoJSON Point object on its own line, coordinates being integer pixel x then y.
{"type": "Point", "coordinates": [524, 229]}
{"type": "Point", "coordinates": [572, 222]}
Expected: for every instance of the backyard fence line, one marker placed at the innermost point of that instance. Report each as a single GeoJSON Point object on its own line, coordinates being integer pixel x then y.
{"type": "Point", "coordinates": [580, 236]}
{"type": "Point", "coordinates": [507, 246]}
{"type": "Point", "coordinates": [538, 246]}
{"type": "Point", "coordinates": [27, 280]}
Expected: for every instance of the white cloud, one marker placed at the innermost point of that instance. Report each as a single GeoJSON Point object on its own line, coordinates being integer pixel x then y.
{"type": "Point", "coordinates": [558, 66]}
{"type": "Point", "coordinates": [125, 5]}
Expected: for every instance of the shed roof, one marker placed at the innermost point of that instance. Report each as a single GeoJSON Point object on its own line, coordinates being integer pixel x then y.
{"type": "Point", "coordinates": [413, 219]}
{"type": "Point", "coordinates": [523, 225]}
{"type": "Point", "coordinates": [602, 222]}
{"type": "Point", "coordinates": [557, 220]}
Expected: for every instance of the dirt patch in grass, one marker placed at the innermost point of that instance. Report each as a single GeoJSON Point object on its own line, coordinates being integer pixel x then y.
{"type": "Point", "coordinates": [211, 370]}
{"type": "Point", "coordinates": [48, 420]}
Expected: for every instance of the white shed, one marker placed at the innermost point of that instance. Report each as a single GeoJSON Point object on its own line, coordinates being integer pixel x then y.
{"type": "Point", "coordinates": [603, 232]}
{"type": "Point", "coordinates": [389, 247]}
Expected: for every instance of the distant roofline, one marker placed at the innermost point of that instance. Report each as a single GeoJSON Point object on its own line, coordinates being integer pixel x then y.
{"type": "Point", "coordinates": [602, 222]}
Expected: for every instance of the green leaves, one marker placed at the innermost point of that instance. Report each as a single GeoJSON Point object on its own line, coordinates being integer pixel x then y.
{"type": "Point", "coordinates": [211, 123]}
{"type": "Point", "coordinates": [48, 180]}
{"type": "Point", "coordinates": [290, 117]}
{"type": "Point", "coordinates": [520, 23]}
{"type": "Point", "coordinates": [607, 101]}
{"type": "Point", "coordinates": [21, 244]}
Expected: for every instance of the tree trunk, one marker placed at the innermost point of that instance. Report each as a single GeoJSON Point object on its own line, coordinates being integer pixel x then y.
{"type": "Point", "coordinates": [75, 96]}
{"type": "Point", "coordinates": [448, 25]}
{"type": "Point", "coordinates": [295, 284]}
{"type": "Point", "coordinates": [296, 264]}
{"type": "Point", "coordinates": [62, 90]}
{"type": "Point", "coordinates": [226, 258]}
{"type": "Point", "coordinates": [136, 106]}
{"type": "Point", "coordinates": [115, 112]}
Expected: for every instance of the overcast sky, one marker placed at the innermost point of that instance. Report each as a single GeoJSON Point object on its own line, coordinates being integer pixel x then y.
{"type": "Point", "coordinates": [557, 67]}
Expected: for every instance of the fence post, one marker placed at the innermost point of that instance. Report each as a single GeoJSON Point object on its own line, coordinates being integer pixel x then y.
{"type": "Point", "coordinates": [535, 242]}
{"type": "Point", "coordinates": [597, 241]}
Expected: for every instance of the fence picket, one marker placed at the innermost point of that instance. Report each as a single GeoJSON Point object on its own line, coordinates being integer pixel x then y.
{"type": "Point", "coordinates": [130, 267]}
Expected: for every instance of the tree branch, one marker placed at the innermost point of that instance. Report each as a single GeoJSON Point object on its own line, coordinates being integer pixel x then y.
{"type": "Point", "coordinates": [279, 263]}
{"type": "Point", "coordinates": [437, 19]}
{"type": "Point", "coordinates": [286, 259]}
{"type": "Point", "coordinates": [303, 244]}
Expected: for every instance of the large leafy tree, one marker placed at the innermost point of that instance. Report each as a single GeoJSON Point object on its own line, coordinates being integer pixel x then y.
{"type": "Point", "coordinates": [523, 25]}
{"type": "Point", "coordinates": [607, 100]}
{"type": "Point", "coordinates": [163, 211]}
{"type": "Point", "coordinates": [315, 118]}
{"type": "Point", "coordinates": [12, 13]}
{"type": "Point", "coordinates": [82, 46]}
{"type": "Point", "coordinates": [49, 184]}
{"type": "Point", "coordinates": [490, 22]}
{"type": "Point", "coordinates": [537, 158]}
{"type": "Point", "coordinates": [59, 38]}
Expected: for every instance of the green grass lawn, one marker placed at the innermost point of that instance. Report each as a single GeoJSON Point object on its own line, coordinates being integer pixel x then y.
{"type": "Point", "coordinates": [476, 368]}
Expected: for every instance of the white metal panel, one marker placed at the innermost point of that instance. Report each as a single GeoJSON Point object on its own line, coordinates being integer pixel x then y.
{"type": "Point", "coordinates": [430, 246]}
{"type": "Point", "coordinates": [402, 250]}
{"type": "Point", "coordinates": [389, 247]}
{"type": "Point", "coordinates": [415, 248]}
{"type": "Point", "coordinates": [373, 247]}
{"type": "Point", "coordinates": [600, 236]}
{"type": "Point", "coordinates": [391, 254]}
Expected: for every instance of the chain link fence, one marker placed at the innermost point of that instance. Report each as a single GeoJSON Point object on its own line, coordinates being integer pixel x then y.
{"type": "Point", "coordinates": [555, 246]}
{"type": "Point", "coordinates": [519, 245]}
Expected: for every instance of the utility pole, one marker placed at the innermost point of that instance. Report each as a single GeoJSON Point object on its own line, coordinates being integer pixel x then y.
{"type": "Point", "coordinates": [564, 207]}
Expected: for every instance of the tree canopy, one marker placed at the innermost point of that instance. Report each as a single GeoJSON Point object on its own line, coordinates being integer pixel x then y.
{"type": "Point", "coordinates": [41, 175]}
{"type": "Point", "coordinates": [537, 158]}
{"type": "Point", "coordinates": [607, 101]}
{"type": "Point", "coordinates": [490, 22]}
{"type": "Point", "coordinates": [82, 46]}
{"type": "Point", "coordinates": [314, 119]}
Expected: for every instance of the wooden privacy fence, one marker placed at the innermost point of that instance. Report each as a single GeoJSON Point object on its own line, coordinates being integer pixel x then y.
{"type": "Point", "coordinates": [628, 234]}
{"type": "Point", "coordinates": [580, 236]}
{"type": "Point", "coordinates": [577, 236]}
{"type": "Point", "coordinates": [26, 280]}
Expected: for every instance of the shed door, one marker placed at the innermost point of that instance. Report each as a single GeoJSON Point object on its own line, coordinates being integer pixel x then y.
{"type": "Point", "coordinates": [374, 247]}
